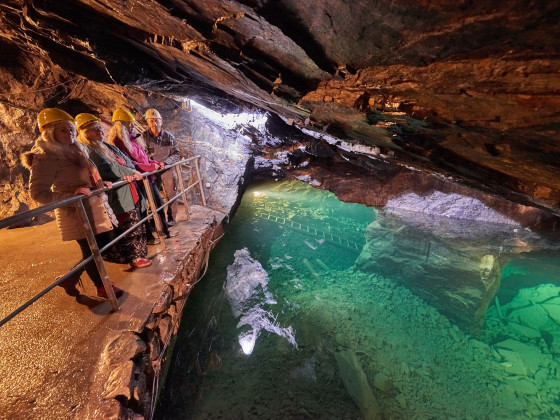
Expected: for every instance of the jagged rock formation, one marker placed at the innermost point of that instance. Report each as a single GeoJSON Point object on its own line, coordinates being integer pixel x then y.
{"type": "Point", "coordinates": [469, 89]}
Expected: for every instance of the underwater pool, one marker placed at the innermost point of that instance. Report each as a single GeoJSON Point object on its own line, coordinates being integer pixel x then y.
{"type": "Point", "coordinates": [286, 325]}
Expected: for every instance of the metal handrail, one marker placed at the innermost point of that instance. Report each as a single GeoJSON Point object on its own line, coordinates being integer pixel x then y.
{"type": "Point", "coordinates": [95, 252]}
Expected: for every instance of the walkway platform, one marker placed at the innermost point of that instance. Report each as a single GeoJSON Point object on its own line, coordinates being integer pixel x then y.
{"type": "Point", "coordinates": [67, 357]}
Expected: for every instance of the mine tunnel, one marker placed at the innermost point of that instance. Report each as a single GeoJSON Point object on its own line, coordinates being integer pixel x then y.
{"type": "Point", "coordinates": [369, 230]}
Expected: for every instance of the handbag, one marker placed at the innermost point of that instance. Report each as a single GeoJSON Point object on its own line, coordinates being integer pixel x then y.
{"type": "Point", "coordinates": [99, 201]}
{"type": "Point", "coordinates": [100, 213]}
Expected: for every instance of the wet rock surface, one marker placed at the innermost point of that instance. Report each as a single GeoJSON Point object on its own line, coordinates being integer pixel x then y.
{"type": "Point", "coordinates": [74, 358]}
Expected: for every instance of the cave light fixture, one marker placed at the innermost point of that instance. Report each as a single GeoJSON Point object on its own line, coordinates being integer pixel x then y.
{"type": "Point", "coordinates": [186, 105]}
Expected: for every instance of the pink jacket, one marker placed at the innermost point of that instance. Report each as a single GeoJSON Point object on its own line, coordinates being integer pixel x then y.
{"type": "Point", "coordinates": [138, 156]}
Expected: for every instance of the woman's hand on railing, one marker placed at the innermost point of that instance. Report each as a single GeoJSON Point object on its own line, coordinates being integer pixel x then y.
{"type": "Point", "coordinates": [136, 176]}
{"type": "Point", "coordinates": [82, 190]}
{"type": "Point", "coordinates": [108, 184]}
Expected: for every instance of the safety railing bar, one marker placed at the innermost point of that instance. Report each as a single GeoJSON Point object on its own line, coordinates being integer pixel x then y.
{"type": "Point", "coordinates": [70, 274]}
{"type": "Point", "coordinates": [43, 292]}
{"type": "Point", "coordinates": [196, 162]}
{"type": "Point", "coordinates": [8, 221]}
{"type": "Point", "coordinates": [194, 184]}
{"type": "Point", "coordinates": [173, 199]}
{"type": "Point", "coordinates": [122, 235]}
{"type": "Point", "coordinates": [140, 222]}
{"type": "Point", "coordinates": [29, 214]}
{"type": "Point", "coordinates": [150, 199]}
{"type": "Point", "coordinates": [181, 185]}
{"type": "Point", "coordinates": [145, 174]}
{"type": "Point", "coordinates": [176, 197]}
{"type": "Point", "coordinates": [53, 206]}
{"type": "Point", "coordinates": [94, 249]}
{"type": "Point", "coordinates": [191, 186]}
{"type": "Point", "coordinates": [155, 212]}
{"type": "Point", "coordinates": [65, 202]}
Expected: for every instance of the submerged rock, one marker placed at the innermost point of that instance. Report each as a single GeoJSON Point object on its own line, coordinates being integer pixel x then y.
{"type": "Point", "coordinates": [452, 264]}
{"type": "Point", "coordinates": [448, 205]}
{"type": "Point", "coordinates": [382, 382]}
{"type": "Point", "coordinates": [357, 385]}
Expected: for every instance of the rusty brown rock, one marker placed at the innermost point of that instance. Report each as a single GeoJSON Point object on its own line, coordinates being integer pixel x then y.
{"type": "Point", "coordinates": [467, 90]}
{"type": "Point", "coordinates": [164, 301]}
{"type": "Point", "coordinates": [124, 347]}
{"type": "Point", "coordinates": [118, 382]}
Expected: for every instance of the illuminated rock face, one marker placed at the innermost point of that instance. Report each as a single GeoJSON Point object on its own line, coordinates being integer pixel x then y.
{"type": "Point", "coordinates": [451, 258]}
{"type": "Point", "coordinates": [468, 90]}
{"type": "Point", "coordinates": [452, 273]}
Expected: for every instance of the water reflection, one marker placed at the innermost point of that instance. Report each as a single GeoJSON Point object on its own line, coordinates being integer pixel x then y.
{"type": "Point", "coordinates": [247, 292]}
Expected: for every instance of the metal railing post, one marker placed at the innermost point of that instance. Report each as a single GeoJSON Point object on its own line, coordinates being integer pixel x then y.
{"type": "Point", "coordinates": [200, 181]}
{"type": "Point", "coordinates": [97, 257]}
{"type": "Point", "coordinates": [182, 186]}
{"type": "Point", "coordinates": [155, 214]}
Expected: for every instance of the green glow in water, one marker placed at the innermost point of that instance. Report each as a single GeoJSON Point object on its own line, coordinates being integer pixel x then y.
{"type": "Point", "coordinates": [350, 325]}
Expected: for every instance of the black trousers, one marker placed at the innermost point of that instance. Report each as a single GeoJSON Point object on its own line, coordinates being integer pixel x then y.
{"type": "Point", "coordinates": [91, 268]}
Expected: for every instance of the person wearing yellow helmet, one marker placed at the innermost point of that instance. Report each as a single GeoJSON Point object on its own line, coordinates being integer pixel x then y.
{"type": "Point", "coordinates": [123, 115]}
{"type": "Point", "coordinates": [123, 135]}
{"type": "Point", "coordinates": [114, 166]}
{"type": "Point", "coordinates": [60, 168]}
{"type": "Point", "coordinates": [163, 146]}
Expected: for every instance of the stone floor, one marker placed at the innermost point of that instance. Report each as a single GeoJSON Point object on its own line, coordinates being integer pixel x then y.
{"type": "Point", "coordinates": [51, 352]}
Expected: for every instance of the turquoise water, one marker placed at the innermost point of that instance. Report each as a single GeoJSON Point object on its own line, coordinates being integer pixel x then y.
{"type": "Point", "coordinates": [286, 324]}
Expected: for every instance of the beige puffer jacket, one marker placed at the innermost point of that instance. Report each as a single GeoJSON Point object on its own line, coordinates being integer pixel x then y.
{"type": "Point", "coordinates": [55, 175]}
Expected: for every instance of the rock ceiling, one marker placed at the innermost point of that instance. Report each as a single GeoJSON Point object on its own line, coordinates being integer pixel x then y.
{"type": "Point", "coordinates": [467, 89]}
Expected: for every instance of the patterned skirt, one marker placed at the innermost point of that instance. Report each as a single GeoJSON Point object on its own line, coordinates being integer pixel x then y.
{"type": "Point", "coordinates": [132, 246]}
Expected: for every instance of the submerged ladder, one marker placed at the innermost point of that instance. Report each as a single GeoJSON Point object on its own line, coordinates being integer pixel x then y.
{"type": "Point", "coordinates": [328, 236]}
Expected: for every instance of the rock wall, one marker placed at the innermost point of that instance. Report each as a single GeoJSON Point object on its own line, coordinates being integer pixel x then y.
{"type": "Point", "coordinates": [224, 155]}
{"type": "Point", "coordinates": [131, 367]}
{"type": "Point", "coordinates": [454, 263]}
{"type": "Point", "coordinates": [358, 178]}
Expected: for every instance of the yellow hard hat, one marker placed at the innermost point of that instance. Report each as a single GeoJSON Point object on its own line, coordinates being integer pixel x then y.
{"type": "Point", "coordinates": [123, 115]}
{"type": "Point", "coordinates": [51, 115]}
{"type": "Point", "coordinates": [152, 113]}
{"type": "Point", "coordinates": [84, 119]}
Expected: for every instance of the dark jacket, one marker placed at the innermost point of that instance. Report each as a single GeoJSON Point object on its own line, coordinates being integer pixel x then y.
{"type": "Point", "coordinates": [163, 148]}
{"type": "Point", "coordinates": [120, 198]}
